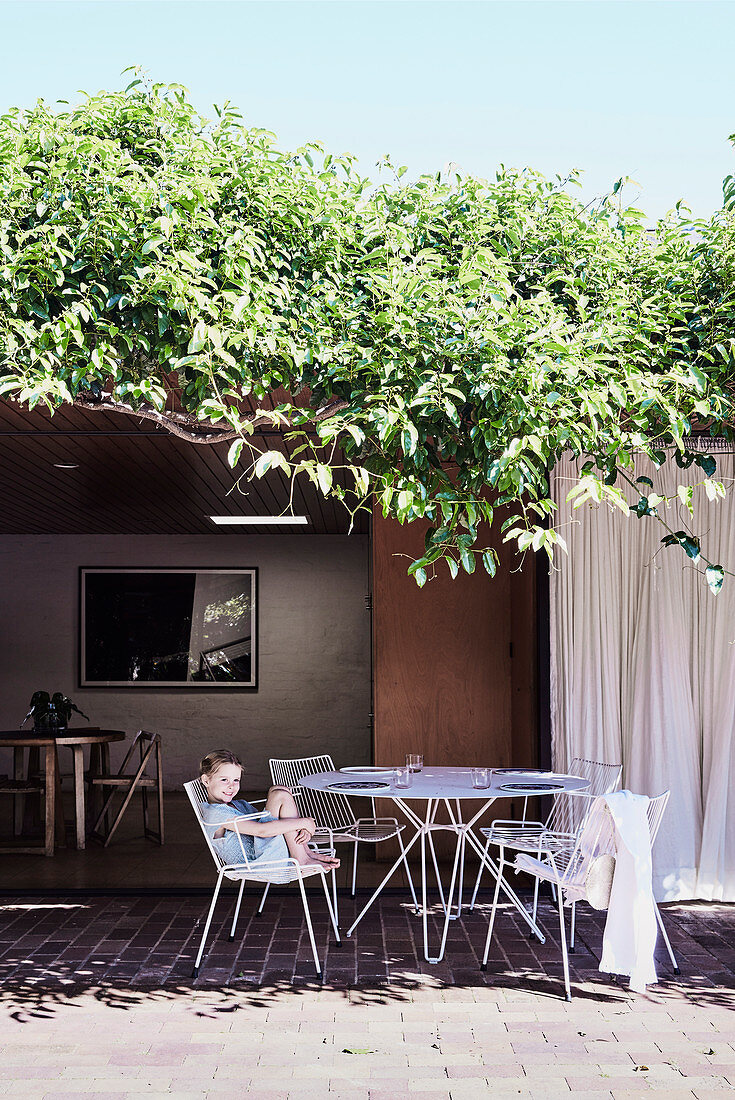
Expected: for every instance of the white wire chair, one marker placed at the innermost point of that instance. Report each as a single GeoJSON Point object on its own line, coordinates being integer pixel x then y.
{"type": "Point", "coordinates": [335, 819]}
{"type": "Point", "coordinates": [584, 865]}
{"type": "Point", "coordinates": [566, 818]}
{"type": "Point", "coordinates": [267, 872]}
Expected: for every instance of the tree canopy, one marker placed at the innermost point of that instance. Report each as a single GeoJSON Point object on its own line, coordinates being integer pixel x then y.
{"type": "Point", "coordinates": [452, 336]}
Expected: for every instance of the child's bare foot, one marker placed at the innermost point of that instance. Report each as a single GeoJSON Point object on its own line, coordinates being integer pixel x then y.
{"type": "Point", "coordinates": [322, 859]}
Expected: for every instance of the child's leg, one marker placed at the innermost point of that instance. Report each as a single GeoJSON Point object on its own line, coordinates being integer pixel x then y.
{"type": "Point", "coordinates": [281, 804]}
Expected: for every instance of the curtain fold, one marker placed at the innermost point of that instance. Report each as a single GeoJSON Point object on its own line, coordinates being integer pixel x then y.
{"type": "Point", "coordinates": [643, 670]}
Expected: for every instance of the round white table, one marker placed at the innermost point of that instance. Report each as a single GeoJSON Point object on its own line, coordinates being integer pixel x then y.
{"type": "Point", "coordinates": [451, 787]}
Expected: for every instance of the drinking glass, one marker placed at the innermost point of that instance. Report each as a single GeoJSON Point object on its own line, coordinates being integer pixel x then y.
{"type": "Point", "coordinates": [414, 761]}
{"type": "Point", "coordinates": [402, 778]}
{"type": "Point", "coordinates": [481, 777]}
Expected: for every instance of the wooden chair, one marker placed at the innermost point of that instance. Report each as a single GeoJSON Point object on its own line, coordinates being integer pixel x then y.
{"type": "Point", "coordinates": [126, 782]}
{"type": "Point", "coordinates": [43, 783]}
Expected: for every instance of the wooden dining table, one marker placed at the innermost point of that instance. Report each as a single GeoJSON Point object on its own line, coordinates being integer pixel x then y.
{"type": "Point", "coordinates": [99, 741]}
{"type": "Point", "coordinates": [99, 764]}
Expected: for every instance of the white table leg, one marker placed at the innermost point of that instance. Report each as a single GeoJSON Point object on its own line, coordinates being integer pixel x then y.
{"type": "Point", "coordinates": [504, 886]}
{"type": "Point", "coordinates": [464, 834]}
{"type": "Point", "coordinates": [379, 888]}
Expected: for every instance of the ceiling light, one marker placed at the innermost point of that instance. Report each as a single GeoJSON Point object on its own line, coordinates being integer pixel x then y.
{"type": "Point", "coordinates": [226, 521]}
{"type": "Point", "coordinates": [66, 465]}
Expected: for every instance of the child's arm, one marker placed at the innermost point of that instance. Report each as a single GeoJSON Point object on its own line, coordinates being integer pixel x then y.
{"type": "Point", "coordinates": [251, 827]}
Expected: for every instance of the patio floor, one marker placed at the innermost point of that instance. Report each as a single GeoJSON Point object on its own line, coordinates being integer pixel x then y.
{"type": "Point", "coordinates": [97, 1000]}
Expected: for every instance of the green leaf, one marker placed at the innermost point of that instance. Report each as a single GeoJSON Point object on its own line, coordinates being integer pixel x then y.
{"type": "Point", "coordinates": [490, 561]}
{"type": "Point", "coordinates": [707, 463]}
{"type": "Point", "coordinates": [644, 481]}
{"type": "Point", "coordinates": [699, 379]}
{"type": "Point", "coordinates": [198, 339]}
{"type": "Point", "coordinates": [686, 494]}
{"type": "Point", "coordinates": [714, 489]}
{"type": "Point", "coordinates": [691, 547]}
{"type": "Point", "coordinates": [324, 477]}
{"type": "Point", "coordinates": [715, 575]}
{"type": "Point", "coordinates": [270, 460]}
{"type": "Point", "coordinates": [467, 559]}
{"type": "Point", "coordinates": [151, 244]}
{"type": "Point", "coordinates": [233, 455]}
{"type": "Point", "coordinates": [409, 439]}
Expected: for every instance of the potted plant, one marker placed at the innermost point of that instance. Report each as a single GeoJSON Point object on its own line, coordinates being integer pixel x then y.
{"type": "Point", "coordinates": [51, 712]}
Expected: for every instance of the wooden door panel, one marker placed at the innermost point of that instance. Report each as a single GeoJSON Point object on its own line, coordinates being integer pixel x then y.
{"type": "Point", "coordinates": [442, 665]}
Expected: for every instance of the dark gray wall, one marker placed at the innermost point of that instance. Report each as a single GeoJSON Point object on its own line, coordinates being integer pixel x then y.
{"type": "Point", "coordinates": [314, 663]}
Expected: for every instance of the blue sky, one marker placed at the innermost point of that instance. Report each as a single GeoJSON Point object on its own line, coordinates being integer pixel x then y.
{"type": "Point", "coordinates": [643, 89]}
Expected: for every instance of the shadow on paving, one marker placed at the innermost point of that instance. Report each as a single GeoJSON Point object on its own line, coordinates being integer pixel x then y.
{"type": "Point", "coordinates": [128, 952]}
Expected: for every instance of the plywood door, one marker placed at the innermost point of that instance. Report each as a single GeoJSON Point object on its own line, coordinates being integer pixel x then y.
{"type": "Point", "coordinates": [442, 663]}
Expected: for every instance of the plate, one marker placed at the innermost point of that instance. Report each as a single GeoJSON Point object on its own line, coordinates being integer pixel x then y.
{"type": "Point", "coordinates": [520, 771]}
{"type": "Point", "coordinates": [531, 788]}
{"type": "Point", "coordinates": [354, 786]}
{"type": "Point", "coordinates": [368, 769]}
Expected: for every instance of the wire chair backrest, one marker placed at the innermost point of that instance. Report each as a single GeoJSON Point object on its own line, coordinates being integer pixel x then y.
{"type": "Point", "coordinates": [596, 838]}
{"type": "Point", "coordinates": [330, 810]}
{"type": "Point", "coordinates": [603, 778]}
{"type": "Point", "coordinates": [569, 811]}
{"type": "Point", "coordinates": [656, 810]}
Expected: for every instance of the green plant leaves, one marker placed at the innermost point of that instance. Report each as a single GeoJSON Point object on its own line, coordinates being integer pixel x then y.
{"type": "Point", "coordinates": [715, 575]}
{"type": "Point", "coordinates": [467, 333]}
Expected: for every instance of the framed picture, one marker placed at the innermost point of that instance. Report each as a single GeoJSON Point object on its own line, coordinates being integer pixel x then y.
{"type": "Point", "coordinates": [168, 628]}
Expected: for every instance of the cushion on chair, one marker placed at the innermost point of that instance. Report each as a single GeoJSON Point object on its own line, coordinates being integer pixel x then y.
{"type": "Point", "coordinates": [598, 880]}
{"type": "Point", "coordinates": [274, 876]}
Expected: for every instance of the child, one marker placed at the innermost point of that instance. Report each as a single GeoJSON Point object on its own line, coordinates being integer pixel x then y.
{"type": "Point", "coordinates": [279, 831]}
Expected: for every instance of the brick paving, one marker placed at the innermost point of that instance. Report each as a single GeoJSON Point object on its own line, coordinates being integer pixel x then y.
{"type": "Point", "coordinates": [97, 1000]}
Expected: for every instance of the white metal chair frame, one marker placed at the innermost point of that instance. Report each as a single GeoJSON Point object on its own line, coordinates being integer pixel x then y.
{"type": "Point", "coordinates": [566, 866]}
{"type": "Point", "coordinates": [270, 871]}
{"type": "Point", "coordinates": [335, 819]}
{"type": "Point", "coordinates": [567, 817]}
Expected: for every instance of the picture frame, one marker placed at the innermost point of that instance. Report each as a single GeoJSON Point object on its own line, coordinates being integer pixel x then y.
{"type": "Point", "coordinates": [158, 627]}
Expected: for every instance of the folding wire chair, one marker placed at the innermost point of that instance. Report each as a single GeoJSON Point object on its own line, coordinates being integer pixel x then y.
{"type": "Point", "coordinates": [335, 819]}
{"type": "Point", "coordinates": [585, 864]}
{"type": "Point", "coordinates": [565, 866]}
{"type": "Point", "coordinates": [272, 871]}
{"type": "Point", "coordinates": [566, 818]}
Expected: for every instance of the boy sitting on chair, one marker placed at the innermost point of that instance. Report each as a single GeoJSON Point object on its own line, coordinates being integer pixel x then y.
{"type": "Point", "coordinates": [277, 833]}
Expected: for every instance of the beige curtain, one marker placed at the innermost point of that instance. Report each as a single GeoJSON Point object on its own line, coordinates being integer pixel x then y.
{"type": "Point", "coordinates": [643, 669]}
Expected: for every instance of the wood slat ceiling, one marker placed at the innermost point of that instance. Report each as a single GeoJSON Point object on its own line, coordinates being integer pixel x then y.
{"type": "Point", "coordinates": [133, 478]}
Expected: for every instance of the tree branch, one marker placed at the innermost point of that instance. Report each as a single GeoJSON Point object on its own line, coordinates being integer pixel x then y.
{"type": "Point", "coordinates": [185, 426]}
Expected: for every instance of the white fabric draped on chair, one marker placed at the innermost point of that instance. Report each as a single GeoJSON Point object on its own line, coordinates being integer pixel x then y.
{"type": "Point", "coordinates": [643, 668]}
